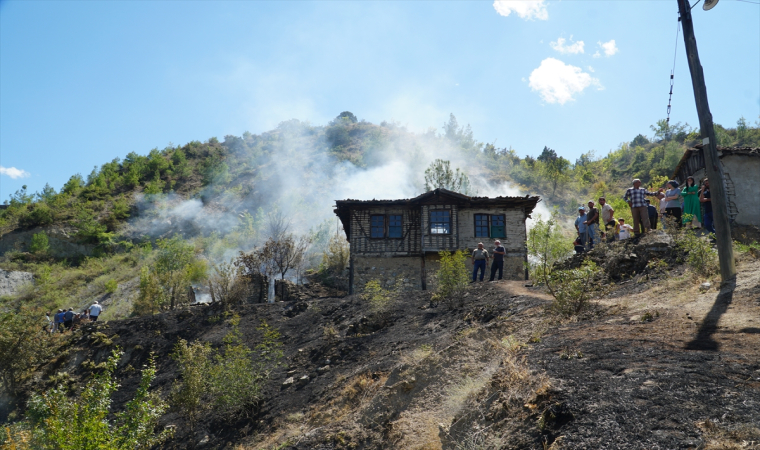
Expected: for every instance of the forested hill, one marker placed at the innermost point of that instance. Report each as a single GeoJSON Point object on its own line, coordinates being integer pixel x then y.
{"type": "Point", "coordinates": [301, 169]}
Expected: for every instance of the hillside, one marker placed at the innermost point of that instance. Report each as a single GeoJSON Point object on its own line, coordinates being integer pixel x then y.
{"type": "Point", "coordinates": [499, 366]}
{"type": "Point", "coordinates": [657, 362]}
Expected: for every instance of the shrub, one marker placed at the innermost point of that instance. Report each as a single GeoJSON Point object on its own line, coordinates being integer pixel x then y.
{"type": "Point", "coordinates": [193, 362]}
{"type": "Point", "coordinates": [453, 278]}
{"type": "Point", "coordinates": [39, 215]}
{"type": "Point", "coordinates": [111, 286]}
{"type": "Point", "coordinates": [573, 288]}
{"type": "Point", "coordinates": [39, 243]}
{"type": "Point", "coordinates": [230, 379]}
{"type": "Point", "coordinates": [380, 300]}
{"type": "Point", "coordinates": [24, 345]}
{"type": "Point", "coordinates": [56, 421]}
{"type": "Point", "coordinates": [699, 254]}
{"type": "Point", "coordinates": [546, 246]}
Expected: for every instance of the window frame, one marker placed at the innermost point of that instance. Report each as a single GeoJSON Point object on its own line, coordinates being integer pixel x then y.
{"type": "Point", "coordinates": [487, 225]}
{"type": "Point", "coordinates": [448, 224]}
{"type": "Point", "coordinates": [503, 226]}
{"type": "Point", "coordinates": [400, 226]}
{"type": "Point", "coordinates": [372, 226]}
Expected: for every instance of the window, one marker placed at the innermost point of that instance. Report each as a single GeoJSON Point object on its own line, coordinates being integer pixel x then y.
{"type": "Point", "coordinates": [394, 226]}
{"type": "Point", "coordinates": [497, 226]}
{"type": "Point", "coordinates": [490, 226]}
{"type": "Point", "coordinates": [440, 222]}
{"type": "Point", "coordinates": [481, 225]}
{"type": "Point", "coordinates": [377, 226]}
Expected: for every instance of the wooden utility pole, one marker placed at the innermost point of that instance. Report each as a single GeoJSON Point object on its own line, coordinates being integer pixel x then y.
{"type": "Point", "coordinates": [714, 169]}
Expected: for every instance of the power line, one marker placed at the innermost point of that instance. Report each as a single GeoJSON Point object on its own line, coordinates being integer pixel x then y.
{"type": "Point", "coordinates": [673, 71]}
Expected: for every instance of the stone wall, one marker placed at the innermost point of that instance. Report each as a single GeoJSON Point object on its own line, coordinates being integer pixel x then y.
{"type": "Point", "coordinates": [744, 172]}
{"type": "Point", "coordinates": [62, 242]}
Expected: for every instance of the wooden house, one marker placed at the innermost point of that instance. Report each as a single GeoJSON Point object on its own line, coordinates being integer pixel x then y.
{"type": "Point", "coordinates": [400, 240]}
{"type": "Point", "coordinates": [741, 172]}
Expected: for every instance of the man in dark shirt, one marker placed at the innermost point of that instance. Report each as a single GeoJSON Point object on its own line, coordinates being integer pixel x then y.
{"type": "Point", "coordinates": [652, 215]}
{"type": "Point", "coordinates": [498, 259]}
{"type": "Point", "coordinates": [707, 215]}
{"type": "Point", "coordinates": [593, 224]}
{"type": "Point", "coordinates": [68, 319]}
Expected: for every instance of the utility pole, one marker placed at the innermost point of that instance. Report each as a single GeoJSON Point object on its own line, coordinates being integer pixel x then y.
{"type": "Point", "coordinates": [714, 170]}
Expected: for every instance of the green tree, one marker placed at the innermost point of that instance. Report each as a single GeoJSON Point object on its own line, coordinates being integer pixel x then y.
{"type": "Point", "coordinates": [174, 268]}
{"type": "Point", "coordinates": [39, 243]}
{"type": "Point", "coordinates": [546, 246]}
{"type": "Point", "coordinates": [192, 387]}
{"type": "Point", "coordinates": [440, 175]}
{"type": "Point", "coordinates": [452, 278]}
{"type": "Point", "coordinates": [24, 345]}
{"type": "Point", "coordinates": [59, 422]}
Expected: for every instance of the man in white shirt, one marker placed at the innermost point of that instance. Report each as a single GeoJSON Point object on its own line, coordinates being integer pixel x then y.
{"type": "Point", "coordinates": [608, 214]}
{"type": "Point", "coordinates": [95, 311]}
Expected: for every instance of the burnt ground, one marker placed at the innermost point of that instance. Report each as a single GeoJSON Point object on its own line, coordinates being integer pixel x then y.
{"type": "Point", "coordinates": [659, 362]}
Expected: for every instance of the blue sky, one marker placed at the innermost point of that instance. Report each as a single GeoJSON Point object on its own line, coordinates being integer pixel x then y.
{"type": "Point", "coordinates": [84, 82]}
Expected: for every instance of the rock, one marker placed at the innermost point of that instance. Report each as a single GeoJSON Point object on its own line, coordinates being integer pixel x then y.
{"type": "Point", "coordinates": [323, 369]}
{"type": "Point", "coordinates": [12, 282]}
{"type": "Point", "coordinates": [288, 382]}
{"type": "Point", "coordinates": [705, 286]}
{"type": "Point", "coordinates": [304, 379]}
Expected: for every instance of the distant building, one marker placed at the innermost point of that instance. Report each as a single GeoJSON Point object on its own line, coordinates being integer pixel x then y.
{"type": "Point", "coordinates": [741, 167]}
{"type": "Point", "coordinates": [400, 239]}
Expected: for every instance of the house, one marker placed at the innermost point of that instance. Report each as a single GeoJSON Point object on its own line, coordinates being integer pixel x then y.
{"type": "Point", "coordinates": [741, 170]}
{"type": "Point", "coordinates": [400, 240]}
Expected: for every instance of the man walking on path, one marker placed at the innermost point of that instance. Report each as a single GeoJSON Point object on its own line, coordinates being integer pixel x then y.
{"type": "Point", "coordinates": [479, 262]}
{"type": "Point", "coordinates": [498, 259]}
{"type": "Point", "coordinates": [634, 196]}
{"type": "Point", "coordinates": [95, 311]}
{"type": "Point", "coordinates": [68, 319]}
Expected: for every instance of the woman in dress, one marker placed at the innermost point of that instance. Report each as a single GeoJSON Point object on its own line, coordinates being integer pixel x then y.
{"type": "Point", "coordinates": [691, 207]}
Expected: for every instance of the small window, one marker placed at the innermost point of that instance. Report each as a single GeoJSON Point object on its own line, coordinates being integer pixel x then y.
{"type": "Point", "coordinates": [481, 225]}
{"type": "Point", "coordinates": [377, 226]}
{"type": "Point", "coordinates": [497, 226]}
{"type": "Point", "coordinates": [394, 226]}
{"type": "Point", "coordinates": [440, 222]}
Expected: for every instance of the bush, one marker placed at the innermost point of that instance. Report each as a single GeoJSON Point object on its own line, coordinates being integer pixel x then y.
{"type": "Point", "coordinates": [58, 422]}
{"type": "Point", "coordinates": [546, 246]}
{"type": "Point", "coordinates": [39, 243]}
{"type": "Point", "coordinates": [380, 300]}
{"type": "Point", "coordinates": [111, 286]}
{"type": "Point", "coordinates": [453, 277]}
{"type": "Point", "coordinates": [700, 255]}
{"type": "Point", "coordinates": [229, 380]}
{"type": "Point", "coordinates": [573, 288]}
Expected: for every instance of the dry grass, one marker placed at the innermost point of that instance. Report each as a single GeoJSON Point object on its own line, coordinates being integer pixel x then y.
{"type": "Point", "coordinates": [720, 437]}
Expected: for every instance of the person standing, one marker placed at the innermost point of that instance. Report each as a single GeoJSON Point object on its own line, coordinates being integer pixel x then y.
{"type": "Point", "coordinates": [498, 259]}
{"type": "Point", "coordinates": [652, 215]}
{"type": "Point", "coordinates": [634, 196]}
{"type": "Point", "coordinates": [704, 199]}
{"type": "Point", "coordinates": [581, 227]}
{"type": "Point", "coordinates": [608, 215]}
{"type": "Point", "coordinates": [691, 205]}
{"type": "Point", "coordinates": [58, 319]}
{"type": "Point", "coordinates": [592, 220]}
{"type": "Point", "coordinates": [673, 202]}
{"type": "Point", "coordinates": [68, 319]}
{"type": "Point", "coordinates": [49, 326]}
{"type": "Point", "coordinates": [479, 262]}
{"type": "Point", "coordinates": [95, 311]}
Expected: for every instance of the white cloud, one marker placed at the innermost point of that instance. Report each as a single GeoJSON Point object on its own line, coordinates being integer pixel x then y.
{"type": "Point", "coordinates": [574, 48]}
{"type": "Point", "coordinates": [597, 54]}
{"type": "Point", "coordinates": [558, 82]}
{"type": "Point", "coordinates": [590, 69]}
{"type": "Point", "coordinates": [13, 172]}
{"type": "Point", "coordinates": [526, 9]}
{"type": "Point", "coordinates": [609, 48]}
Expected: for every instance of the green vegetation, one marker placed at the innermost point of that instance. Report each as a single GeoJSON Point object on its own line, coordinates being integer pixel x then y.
{"type": "Point", "coordinates": [40, 243]}
{"type": "Point", "coordinates": [228, 380]}
{"type": "Point", "coordinates": [380, 300]}
{"type": "Point", "coordinates": [546, 246]}
{"type": "Point", "coordinates": [440, 175]}
{"type": "Point", "coordinates": [452, 278]}
{"type": "Point", "coordinates": [573, 288]}
{"type": "Point", "coordinates": [57, 422]}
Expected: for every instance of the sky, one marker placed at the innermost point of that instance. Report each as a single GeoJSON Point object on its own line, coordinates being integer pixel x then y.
{"type": "Point", "coordinates": [82, 83]}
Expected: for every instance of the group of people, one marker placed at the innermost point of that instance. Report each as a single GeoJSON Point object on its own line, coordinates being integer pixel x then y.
{"type": "Point", "coordinates": [687, 206]}
{"type": "Point", "coordinates": [480, 258]}
{"type": "Point", "coordinates": [65, 320]}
